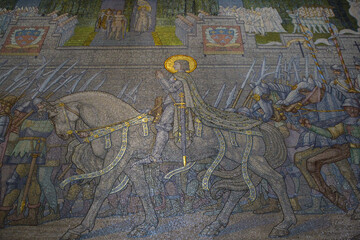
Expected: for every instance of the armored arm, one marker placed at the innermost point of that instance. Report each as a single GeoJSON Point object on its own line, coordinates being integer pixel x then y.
{"type": "Point", "coordinates": [170, 85]}
{"type": "Point", "coordinates": [332, 132]}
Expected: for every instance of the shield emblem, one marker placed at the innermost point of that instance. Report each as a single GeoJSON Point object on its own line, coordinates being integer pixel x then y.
{"type": "Point", "coordinates": [27, 37]}
{"type": "Point", "coordinates": [222, 36]}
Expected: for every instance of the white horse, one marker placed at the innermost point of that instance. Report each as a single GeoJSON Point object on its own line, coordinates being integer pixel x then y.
{"type": "Point", "coordinates": [97, 109]}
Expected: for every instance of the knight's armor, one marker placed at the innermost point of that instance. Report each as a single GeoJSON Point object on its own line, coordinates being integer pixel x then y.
{"type": "Point", "coordinates": [173, 88]}
{"type": "Point", "coordinates": [33, 131]}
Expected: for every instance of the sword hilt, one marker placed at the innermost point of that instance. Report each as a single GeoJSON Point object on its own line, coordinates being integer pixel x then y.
{"type": "Point", "coordinates": [182, 103]}
{"type": "Point", "coordinates": [22, 206]}
{"type": "Point", "coordinates": [184, 160]}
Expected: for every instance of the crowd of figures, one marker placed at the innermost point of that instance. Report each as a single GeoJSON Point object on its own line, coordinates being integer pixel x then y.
{"type": "Point", "coordinates": [320, 122]}
{"type": "Point", "coordinates": [258, 21]}
{"type": "Point", "coordinates": [114, 23]}
{"type": "Point", "coordinates": [7, 15]}
{"type": "Point", "coordinates": [311, 17]}
{"type": "Point", "coordinates": [267, 19]}
{"type": "Point", "coordinates": [66, 26]}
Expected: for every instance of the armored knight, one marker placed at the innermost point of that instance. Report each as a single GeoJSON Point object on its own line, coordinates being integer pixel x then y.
{"type": "Point", "coordinates": [5, 121]}
{"type": "Point", "coordinates": [350, 127]}
{"type": "Point", "coordinates": [29, 152]}
{"type": "Point", "coordinates": [340, 82]}
{"type": "Point", "coordinates": [173, 87]}
{"type": "Point", "coordinates": [182, 82]}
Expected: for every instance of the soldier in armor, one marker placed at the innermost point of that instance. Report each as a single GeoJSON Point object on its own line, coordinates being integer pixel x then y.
{"type": "Point", "coordinates": [29, 152]}
{"type": "Point", "coordinates": [350, 128]}
{"type": "Point", "coordinates": [173, 87]}
{"type": "Point", "coordinates": [7, 139]}
{"type": "Point", "coordinates": [4, 119]}
{"type": "Point", "coordinates": [340, 82]}
{"type": "Point", "coordinates": [293, 16]}
{"type": "Point", "coordinates": [56, 149]}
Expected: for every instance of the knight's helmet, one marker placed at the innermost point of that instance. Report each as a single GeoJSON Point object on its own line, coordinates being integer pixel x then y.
{"type": "Point", "coordinates": [29, 106]}
{"type": "Point", "coordinates": [351, 102]}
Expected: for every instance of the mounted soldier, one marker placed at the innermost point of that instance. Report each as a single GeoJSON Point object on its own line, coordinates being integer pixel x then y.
{"type": "Point", "coordinates": [121, 151]}
{"type": "Point", "coordinates": [178, 97]}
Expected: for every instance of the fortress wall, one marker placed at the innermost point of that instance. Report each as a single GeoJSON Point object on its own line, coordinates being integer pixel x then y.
{"type": "Point", "coordinates": [133, 64]}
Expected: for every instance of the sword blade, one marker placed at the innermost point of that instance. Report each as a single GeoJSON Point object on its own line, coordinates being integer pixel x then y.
{"type": "Point", "coordinates": [87, 83]}
{"type": "Point", "coordinates": [231, 96]}
{"type": "Point", "coordinates": [100, 84]}
{"type": "Point", "coordinates": [220, 95]}
{"type": "Point", "coordinates": [61, 76]}
{"type": "Point", "coordinates": [47, 80]}
{"type": "Point", "coordinates": [121, 93]}
{"type": "Point", "coordinates": [78, 79]}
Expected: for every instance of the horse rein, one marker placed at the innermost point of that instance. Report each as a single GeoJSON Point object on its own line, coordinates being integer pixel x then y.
{"type": "Point", "coordinates": [70, 131]}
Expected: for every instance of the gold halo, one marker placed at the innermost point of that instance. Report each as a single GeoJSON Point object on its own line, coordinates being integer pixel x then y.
{"type": "Point", "coordinates": [169, 63]}
{"type": "Point", "coordinates": [147, 8]}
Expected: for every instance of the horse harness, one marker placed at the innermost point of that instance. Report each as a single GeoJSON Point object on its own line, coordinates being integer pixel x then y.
{"type": "Point", "coordinates": [105, 131]}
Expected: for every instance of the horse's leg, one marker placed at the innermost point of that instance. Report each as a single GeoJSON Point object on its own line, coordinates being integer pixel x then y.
{"type": "Point", "coordinates": [222, 219]}
{"type": "Point", "coordinates": [137, 177]}
{"type": "Point", "coordinates": [102, 191]}
{"type": "Point", "coordinates": [261, 167]}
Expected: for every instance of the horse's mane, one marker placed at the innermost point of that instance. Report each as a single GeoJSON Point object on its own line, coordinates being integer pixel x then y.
{"type": "Point", "coordinates": [279, 87]}
{"type": "Point", "coordinates": [105, 106]}
{"type": "Point", "coordinates": [96, 98]}
{"type": "Point", "coordinates": [89, 94]}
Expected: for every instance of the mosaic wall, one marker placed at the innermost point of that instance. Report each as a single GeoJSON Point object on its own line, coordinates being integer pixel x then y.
{"type": "Point", "coordinates": [188, 119]}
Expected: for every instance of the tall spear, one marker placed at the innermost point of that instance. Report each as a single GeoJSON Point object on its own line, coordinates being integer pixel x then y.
{"type": "Point", "coordinates": [308, 34]}
{"type": "Point", "coordinates": [244, 84]}
{"type": "Point", "coordinates": [334, 38]}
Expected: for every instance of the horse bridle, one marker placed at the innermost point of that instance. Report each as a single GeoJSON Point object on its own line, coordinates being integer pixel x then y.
{"type": "Point", "coordinates": [70, 131]}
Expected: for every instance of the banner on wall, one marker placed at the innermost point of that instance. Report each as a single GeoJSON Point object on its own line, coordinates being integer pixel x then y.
{"type": "Point", "coordinates": [222, 40]}
{"type": "Point", "coordinates": [24, 41]}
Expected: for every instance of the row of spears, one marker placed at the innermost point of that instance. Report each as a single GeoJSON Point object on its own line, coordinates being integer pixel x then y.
{"type": "Point", "coordinates": [40, 81]}
{"type": "Point", "coordinates": [285, 72]}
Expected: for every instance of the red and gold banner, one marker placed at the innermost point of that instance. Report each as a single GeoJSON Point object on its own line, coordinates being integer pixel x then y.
{"type": "Point", "coordinates": [24, 41]}
{"type": "Point", "coordinates": [222, 40]}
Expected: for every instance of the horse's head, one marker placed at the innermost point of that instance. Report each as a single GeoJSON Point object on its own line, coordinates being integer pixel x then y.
{"type": "Point", "coordinates": [305, 93]}
{"type": "Point", "coordinates": [64, 117]}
